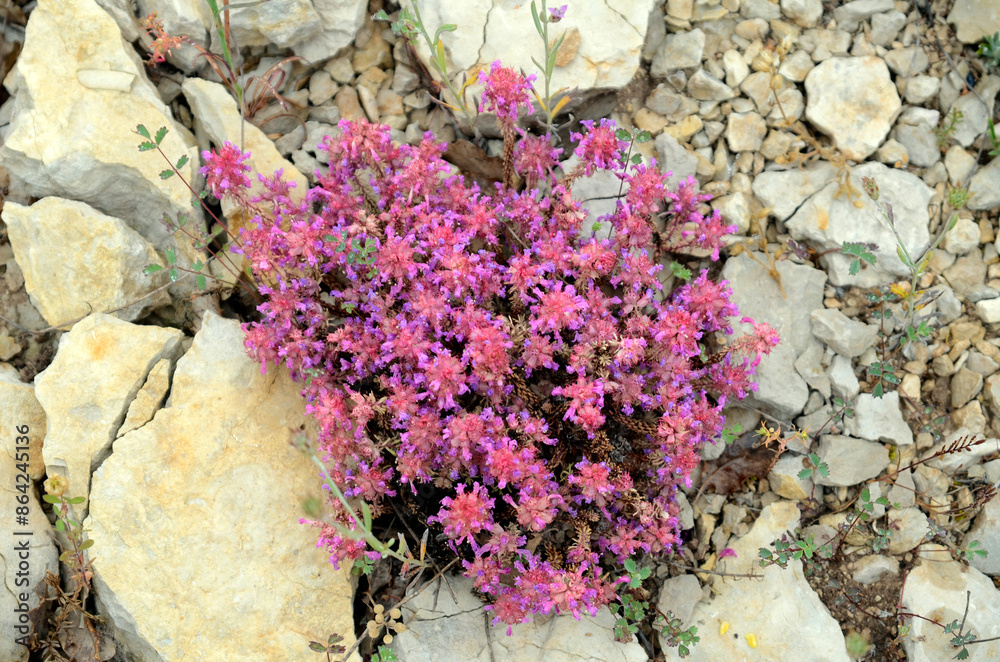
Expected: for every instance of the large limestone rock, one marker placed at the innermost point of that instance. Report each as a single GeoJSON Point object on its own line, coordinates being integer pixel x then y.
{"type": "Point", "coordinates": [609, 47]}
{"type": "Point", "coordinates": [195, 519]}
{"type": "Point", "coordinates": [30, 537]}
{"type": "Point", "coordinates": [975, 19]}
{"type": "Point", "coordinates": [79, 89]}
{"type": "Point", "coordinates": [765, 607]}
{"type": "Point", "coordinates": [852, 100]}
{"type": "Point", "coordinates": [441, 629]}
{"type": "Point", "coordinates": [937, 589]}
{"type": "Point", "coordinates": [76, 261]}
{"type": "Point", "coordinates": [86, 391]}
{"type": "Point", "coordinates": [829, 218]}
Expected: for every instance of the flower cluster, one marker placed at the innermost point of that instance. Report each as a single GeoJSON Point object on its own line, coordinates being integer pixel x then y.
{"type": "Point", "coordinates": [488, 362]}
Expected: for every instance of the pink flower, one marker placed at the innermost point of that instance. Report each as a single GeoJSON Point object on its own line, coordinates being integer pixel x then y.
{"type": "Point", "coordinates": [599, 149]}
{"type": "Point", "coordinates": [466, 514]}
{"type": "Point", "coordinates": [504, 91]}
{"type": "Point", "coordinates": [225, 170]}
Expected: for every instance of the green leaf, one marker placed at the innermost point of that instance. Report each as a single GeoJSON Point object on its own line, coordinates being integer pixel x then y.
{"type": "Point", "coordinates": [49, 498]}
{"type": "Point", "coordinates": [199, 282]}
{"type": "Point", "coordinates": [623, 134]}
{"type": "Point", "coordinates": [171, 255]}
{"type": "Point", "coordinates": [64, 556]}
{"type": "Point", "coordinates": [86, 544]}
{"type": "Point", "coordinates": [534, 16]}
{"type": "Point", "coordinates": [181, 161]}
{"type": "Point", "coordinates": [805, 473]}
{"type": "Point", "coordinates": [854, 268]}
{"type": "Point", "coordinates": [380, 15]}
{"type": "Point", "coordinates": [637, 159]}
{"type": "Point", "coordinates": [823, 470]}
{"type": "Point", "coordinates": [878, 392]}
{"type": "Point", "coordinates": [143, 132]}
{"type": "Point", "coordinates": [152, 269]}
{"type": "Point", "coordinates": [644, 136]}
{"type": "Point", "coordinates": [160, 134]}
{"type": "Point", "coordinates": [166, 174]}
{"type": "Point", "coordinates": [60, 525]}
{"type": "Point", "coordinates": [146, 146]}
{"type": "Point", "coordinates": [315, 645]}
{"type": "Point", "coordinates": [76, 500]}
{"type": "Point", "coordinates": [173, 274]}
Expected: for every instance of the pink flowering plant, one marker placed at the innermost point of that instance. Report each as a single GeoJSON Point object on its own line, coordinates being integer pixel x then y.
{"type": "Point", "coordinates": [480, 362]}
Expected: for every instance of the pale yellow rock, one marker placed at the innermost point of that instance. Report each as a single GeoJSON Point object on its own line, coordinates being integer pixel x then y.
{"type": "Point", "coordinates": [69, 131]}
{"type": "Point", "coordinates": [20, 408]}
{"type": "Point", "coordinates": [195, 516]}
{"type": "Point", "coordinates": [77, 261]}
{"type": "Point", "coordinates": [99, 367]}
{"type": "Point", "coordinates": [684, 129]}
{"type": "Point", "coordinates": [149, 398]}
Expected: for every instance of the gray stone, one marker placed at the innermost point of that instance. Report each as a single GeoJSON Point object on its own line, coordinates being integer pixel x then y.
{"type": "Point", "coordinates": [682, 50]}
{"type": "Point", "coordinates": [965, 385]}
{"type": "Point", "coordinates": [758, 296]}
{"type": "Point", "coordinates": [879, 419]}
{"type": "Point", "coordinates": [915, 131]}
{"type": "Point", "coordinates": [809, 366]}
{"type": "Point", "coordinates": [902, 494]}
{"type": "Point", "coordinates": [851, 461]}
{"type": "Point", "coordinates": [849, 15]}
{"type": "Point", "coordinates": [985, 187]}
{"type": "Point", "coordinates": [959, 164]}
{"type": "Point", "coordinates": [967, 274]}
{"type": "Point", "coordinates": [844, 335]}
{"type": "Point", "coordinates": [439, 628]}
{"type": "Point", "coordinates": [735, 210]}
{"type": "Point", "coordinates": [675, 107]}
{"type": "Point", "coordinates": [962, 238]}
{"type": "Point", "coordinates": [921, 89]}
{"type": "Point", "coordinates": [673, 158]}
{"type": "Point", "coordinates": [703, 86]}
{"type": "Point", "coordinates": [909, 528]}
{"type": "Point", "coordinates": [907, 62]}
{"type": "Point", "coordinates": [992, 393]}
{"type": "Point", "coordinates": [796, 66]}
{"type": "Point", "coordinates": [843, 382]}
{"type": "Point", "coordinates": [679, 595]}
{"type": "Point", "coordinates": [805, 13]}
{"type": "Point", "coordinates": [886, 26]}
{"type": "Point", "coordinates": [986, 529]}
{"type": "Point", "coordinates": [874, 567]}
{"type": "Point", "coordinates": [784, 191]}
{"type": "Point", "coordinates": [975, 115]}
{"type": "Point", "coordinates": [827, 220]}
{"type": "Point", "coordinates": [941, 586]}
{"type": "Point", "coordinates": [974, 19]}
{"type": "Point", "coordinates": [761, 9]}
{"type": "Point", "coordinates": [981, 363]}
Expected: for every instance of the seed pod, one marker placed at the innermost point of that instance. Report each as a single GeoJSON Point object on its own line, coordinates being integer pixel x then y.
{"type": "Point", "coordinates": [395, 613]}
{"type": "Point", "coordinates": [387, 639]}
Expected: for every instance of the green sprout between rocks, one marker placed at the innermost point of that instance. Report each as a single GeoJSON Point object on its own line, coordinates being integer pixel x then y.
{"type": "Point", "coordinates": [632, 609]}
{"type": "Point", "coordinates": [990, 50]}
{"type": "Point", "coordinates": [948, 126]}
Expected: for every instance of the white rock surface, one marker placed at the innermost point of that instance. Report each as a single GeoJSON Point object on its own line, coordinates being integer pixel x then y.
{"type": "Point", "coordinates": [986, 529]}
{"type": "Point", "coordinates": [853, 101]}
{"type": "Point", "coordinates": [100, 366]}
{"type": "Point", "coordinates": [77, 261]}
{"type": "Point", "coordinates": [826, 221]}
{"type": "Point", "coordinates": [456, 632]}
{"type": "Point", "coordinates": [850, 461]}
{"type": "Point", "coordinates": [879, 419]}
{"type": "Point", "coordinates": [767, 607]}
{"type": "Point", "coordinates": [611, 38]}
{"type": "Point", "coordinates": [66, 139]}
{"type": "Point", "coordinates": [759, 296]}
{"type": "Point", "coordinates": [974, 19]}
{"type": "Point", "coordinates": [196, 515]}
